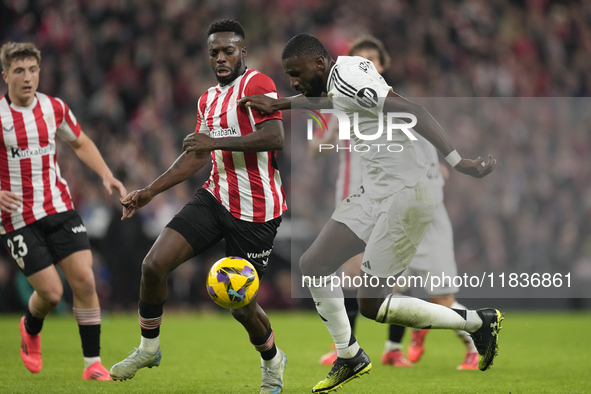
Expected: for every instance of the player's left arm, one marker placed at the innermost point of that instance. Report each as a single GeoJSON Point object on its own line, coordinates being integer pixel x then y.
{"type": "Point", "coordinates": [269, 136]}
{"type": "Point", "coordinates": [428, 127]}
{"type": "Point", "coordinates": [87, 151]}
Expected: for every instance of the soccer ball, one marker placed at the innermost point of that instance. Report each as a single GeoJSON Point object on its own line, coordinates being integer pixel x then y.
{"type": "Point", "coordinates": [232, 282]}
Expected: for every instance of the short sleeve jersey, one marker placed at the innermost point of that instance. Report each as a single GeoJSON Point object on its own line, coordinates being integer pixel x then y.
{"type": "Point", "coordinates": [247, 184]}
{"type": "Point", "coordinates": [356, 88]}
{"type": "Point", "coordinates": [28, 158]}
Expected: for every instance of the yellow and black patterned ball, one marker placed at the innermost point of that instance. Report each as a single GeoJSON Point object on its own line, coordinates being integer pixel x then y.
{"type": "Point", "coordinates": [232, 282]}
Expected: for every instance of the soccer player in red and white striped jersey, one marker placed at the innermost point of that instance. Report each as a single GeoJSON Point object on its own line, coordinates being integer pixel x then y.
{"type": "Point", "coordinates": [39, 226]}
{"type": "Point", "coordinates": [246, 183]}
{"type": "Point", "coordinates": [241, 202]}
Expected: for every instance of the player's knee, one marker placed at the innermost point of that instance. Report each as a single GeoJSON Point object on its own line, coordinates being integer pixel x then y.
{"type": "Point", "coordinates": [305, 264]}
{"type": "Point", "coordinates": [309, 266]}
{"type": "Point", "coordinates": [152, 268]}
{"type": "Point", "coordinates": [368, 308]}
{"type": "Point", "coordinates": [52, 296]}
{"type": "Point", "coordinates": [83, 286]}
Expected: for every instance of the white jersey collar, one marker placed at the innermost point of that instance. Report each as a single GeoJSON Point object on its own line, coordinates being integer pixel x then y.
{"type": "Point", "coordinates": [22, 109]}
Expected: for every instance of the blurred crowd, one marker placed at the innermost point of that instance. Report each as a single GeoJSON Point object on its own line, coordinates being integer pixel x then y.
{"type": "Point", "coordinates": [133, 70]}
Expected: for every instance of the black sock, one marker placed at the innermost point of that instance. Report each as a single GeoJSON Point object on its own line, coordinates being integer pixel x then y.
{"type": "Point", "coordinates": [396, 333]}
{"type": "Point", "coordinates": [265, 345]}
{"type": "Point", "coordinates": [351, 306]}
{"type": "Point", "coordinates": [150, 319]}
{"type": "Point", "coordinates": [33, 325]}
{"type": "Point", "coordinates": [91, 339]}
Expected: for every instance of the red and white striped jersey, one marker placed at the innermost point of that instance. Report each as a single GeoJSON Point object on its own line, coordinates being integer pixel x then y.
{"type": "Point", "coordinates": [28, 159]}
{"type": "Point", "coordinates": [246, 183]}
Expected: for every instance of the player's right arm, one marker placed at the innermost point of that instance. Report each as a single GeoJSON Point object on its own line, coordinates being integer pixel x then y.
{"type": "Point", "coordinates": [9, 202]}
{"type": "Point", "coordinates": [186, 165]}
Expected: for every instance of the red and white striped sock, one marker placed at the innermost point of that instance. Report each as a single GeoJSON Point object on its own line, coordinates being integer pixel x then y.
{"type": "Point", "coordinates": [266, 346]}
{"type": "Point", "coordinates": [150, 323]}
{"type": "Point", "coordinates": [150, 345]}
{"type": "Point", "coordinates": [88, 317]}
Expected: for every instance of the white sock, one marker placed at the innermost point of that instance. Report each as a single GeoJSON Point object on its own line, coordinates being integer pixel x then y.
{"type": "Point", "coordinates": [272, 362]}
{"type": "Point", "coordinates": [331, 308]}
{"type": "Point", "coordinates": [416, 313]}
{"type": "Point", "coordinates": [473, 321]}
{"type": "Point", "coordinates": [390, 346]}
{"type": "Point", "coordinates": [88, 361]}
{"type": "Point", "coordinates": [463, 335]}
{"type": "Point", "coordinates": [150, 345]}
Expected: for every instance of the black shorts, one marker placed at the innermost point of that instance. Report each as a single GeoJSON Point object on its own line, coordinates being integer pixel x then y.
{"type": "Point", "coordinates": [46, 241]}
{"type": "Point", "coordinates": [203, 222]}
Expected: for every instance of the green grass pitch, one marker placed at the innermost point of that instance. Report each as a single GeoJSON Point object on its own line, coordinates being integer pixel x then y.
{"type": "Point", "coordinates": [540, 352]}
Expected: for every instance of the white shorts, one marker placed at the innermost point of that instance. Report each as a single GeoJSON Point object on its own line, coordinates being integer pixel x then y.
{"type": "Point", "coordinates": [392, 228]}
{"type": "Point", "coordinates": [435, 255]}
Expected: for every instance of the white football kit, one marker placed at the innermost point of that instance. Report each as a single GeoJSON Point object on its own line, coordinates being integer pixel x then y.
{"type": "Point", "coordinates": [395, 204]}
{"type": "Point", "coordinates": [435, 254]}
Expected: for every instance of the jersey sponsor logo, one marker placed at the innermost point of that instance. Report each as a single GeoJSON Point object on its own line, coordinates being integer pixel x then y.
{"type": "Point", "coordinates": [367, 97]}
{"type": "Point", "coordinates": [222, 133]}
{"type": "Point", "coordinates": [365, 65]}
{"type": "Point", "coordinates": [79, 229]}
{"type": "Point", "coordinates": [17, 152]}
{"type": "Point", "coordinates": [260, 255]}
{"type": "Point", "coordinates": [7, 129]}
